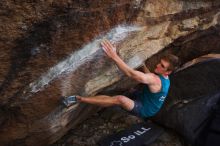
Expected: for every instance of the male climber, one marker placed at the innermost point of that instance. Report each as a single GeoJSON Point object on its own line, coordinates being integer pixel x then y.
{"type": "Point", "coordinates": [156, 85]}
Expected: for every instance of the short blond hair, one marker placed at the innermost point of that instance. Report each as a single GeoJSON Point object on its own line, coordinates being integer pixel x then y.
{"type": "Point", "coordinates": [173, 61]}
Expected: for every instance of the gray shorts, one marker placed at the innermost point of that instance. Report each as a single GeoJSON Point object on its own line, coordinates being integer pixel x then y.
{"type": "Point", "coordinates": [135, 96]}
{"type": "Point", "coordinates": [136, 111]}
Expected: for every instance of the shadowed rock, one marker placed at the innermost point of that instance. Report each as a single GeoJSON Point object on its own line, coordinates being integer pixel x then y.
{"type": "Point", "coordinates": [186, 110]}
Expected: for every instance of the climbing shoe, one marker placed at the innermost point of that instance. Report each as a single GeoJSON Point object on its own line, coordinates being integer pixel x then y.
{"type": "Point", "coordinates": [69, 100]}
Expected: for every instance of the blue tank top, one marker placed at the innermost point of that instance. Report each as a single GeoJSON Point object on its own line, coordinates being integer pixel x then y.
{"type": "Point", "coordinates": [152, 102]}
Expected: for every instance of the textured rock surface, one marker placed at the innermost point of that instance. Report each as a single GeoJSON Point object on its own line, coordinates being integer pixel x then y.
{"type": "Point", "coordinates": [51, 48]}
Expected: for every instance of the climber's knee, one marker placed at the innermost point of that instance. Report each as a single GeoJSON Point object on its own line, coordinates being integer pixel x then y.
{"type": "Point", "coordinates": [124, 102]}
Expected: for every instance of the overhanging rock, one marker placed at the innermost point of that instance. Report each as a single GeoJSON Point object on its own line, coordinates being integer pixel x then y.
{"type": "Point", "coordinates": [50, 49]}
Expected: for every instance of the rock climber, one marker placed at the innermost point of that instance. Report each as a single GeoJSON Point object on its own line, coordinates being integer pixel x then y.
{"type": "Point", "coordinates": [146, 102]}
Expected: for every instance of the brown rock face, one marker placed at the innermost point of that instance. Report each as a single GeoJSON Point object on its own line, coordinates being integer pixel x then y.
{"type": "Point", "coordinates": [52, 48]}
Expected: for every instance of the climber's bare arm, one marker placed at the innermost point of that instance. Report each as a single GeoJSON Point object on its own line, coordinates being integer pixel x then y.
{"type": "Point", "coordinates": [145, 69]}
{"type": "Point", "coordinates": [147, 78]}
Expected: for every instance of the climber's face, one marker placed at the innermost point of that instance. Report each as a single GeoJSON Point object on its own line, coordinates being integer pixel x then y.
{"type": "Point", "coordinates": [162, 67]}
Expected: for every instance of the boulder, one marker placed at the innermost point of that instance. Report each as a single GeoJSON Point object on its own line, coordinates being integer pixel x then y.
{"type": "Point", "coordinates": [51, 49]}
